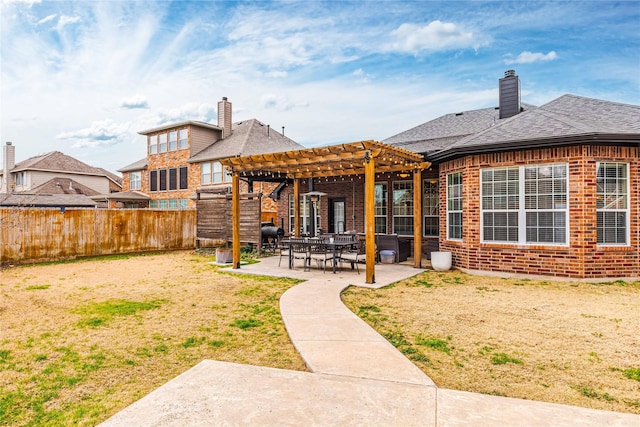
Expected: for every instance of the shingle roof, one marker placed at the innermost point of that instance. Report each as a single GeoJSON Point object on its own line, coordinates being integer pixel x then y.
{"type": "Point", "coordinates": [565, 118]}
{"type": "Point", "coordinates": [135, 166]}
{"type": "Point", "coordinates": [63, 186]}
{"type": "Point", "coordinates": [46, 200]}
{"type": "Point", "coordinates": [249, 137]}
{"type": "Point", "coordinates": [55, 161]}
{"type": "Point", "coordinates": [446, 130]}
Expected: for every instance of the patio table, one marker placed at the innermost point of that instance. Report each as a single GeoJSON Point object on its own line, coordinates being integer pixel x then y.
{"type": "Point", "coordinates": [335, 245]}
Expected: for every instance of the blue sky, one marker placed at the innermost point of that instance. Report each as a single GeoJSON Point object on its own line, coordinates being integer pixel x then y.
{"type": "Point", "coordinates": [84, 77]}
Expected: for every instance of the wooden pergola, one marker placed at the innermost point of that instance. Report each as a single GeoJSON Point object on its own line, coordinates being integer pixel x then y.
{"type": "Point", "coordinates": [355, 158]}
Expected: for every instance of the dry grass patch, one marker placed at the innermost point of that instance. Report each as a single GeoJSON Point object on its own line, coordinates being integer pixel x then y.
{"type": "Point", "coordinates": [570, 343]}
{"type": "Point", "coordinates": [81, 341]}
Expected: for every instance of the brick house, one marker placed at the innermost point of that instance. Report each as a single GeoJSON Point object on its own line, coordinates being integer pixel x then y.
{"type": "Point", "coordinates": [35, 181]}
{"type": "Point", "coordinates": [551, 190]}
{"type": "Point", "coordinates": [183, 158]}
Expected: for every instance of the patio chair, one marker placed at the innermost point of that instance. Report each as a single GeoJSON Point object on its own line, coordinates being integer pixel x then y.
{"type": "Point", "coordinates": [321, 253]}
{"type": "Point", "coordinates": [285, 251]}
{"type": "Point", "coordinates": [354, 256]}
{"type": "Point", "coordinates": [299, 248]}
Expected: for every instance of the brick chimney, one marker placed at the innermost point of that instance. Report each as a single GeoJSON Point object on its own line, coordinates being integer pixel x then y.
{"type": "Point", "coordinates": [224, 117]}
{"type": "Point", "coordinates": [8, 163]}
{"type": "Point", "coordinates": [509, 94]}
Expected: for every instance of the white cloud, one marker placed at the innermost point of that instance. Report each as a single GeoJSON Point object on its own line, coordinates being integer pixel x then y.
{"type": "Point", "coordinates": [105, 132]}
{"type": "Point", "coordinates": [271, 101]}
{"type": "Point", "coordinates": [197, 111]}
{"type": "Point", "coordinates": [527, 57]}
{"type": "Point", "coordinates": [47, 19]}
{"type": "Point", "coordinates": [66, 20]}
{"type": "Point", "coordinates": [136, 101]}
{"type": "Point", "coordinates": [435, 36]}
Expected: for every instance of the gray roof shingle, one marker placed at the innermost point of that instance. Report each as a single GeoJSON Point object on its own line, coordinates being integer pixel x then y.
{"type": "Point", "coordinates": [46, 200]}
{"type": "Point", "coordinates": [248, 137]}
{"type": "Point", "coordinates": [135, 166]}
{"type": "Point", "coordinates": [446, 130]}
{"type": "Point", "coordinates": [569, 116]}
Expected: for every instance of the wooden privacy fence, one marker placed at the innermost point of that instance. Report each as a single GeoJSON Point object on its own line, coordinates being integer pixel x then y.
{"type": "Point", "coordinates": [35, 235]}
{"type": "Point", "coordinates": [214, 223]}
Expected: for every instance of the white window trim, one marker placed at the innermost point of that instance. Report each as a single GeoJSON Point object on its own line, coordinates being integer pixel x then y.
{"type": "Point", "coordinates": [627, 210]}
{"type": "Point", "coordinates": [448, 211]}
{"type": "Point", "coordinates": [522, 212]}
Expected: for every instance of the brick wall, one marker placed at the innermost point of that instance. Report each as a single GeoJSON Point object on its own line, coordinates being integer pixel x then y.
{"type": "Point", "coordinates": [582, 258]}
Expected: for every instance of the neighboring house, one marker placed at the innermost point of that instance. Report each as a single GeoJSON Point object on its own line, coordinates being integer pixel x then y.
{"type": "Point", "coordinates": [52, 174]}
{"type": "Point", "coordinates": [552, 190]}
{"type": "Point", "coordinates": [183, 158]}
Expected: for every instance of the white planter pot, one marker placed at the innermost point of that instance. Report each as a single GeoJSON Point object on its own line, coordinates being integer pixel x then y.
{"type": "Point", "coordinates": [441, 260]}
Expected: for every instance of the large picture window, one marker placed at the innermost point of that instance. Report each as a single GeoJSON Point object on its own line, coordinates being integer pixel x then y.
{"type": "Point", "coordinates": [612, 205]}
{"type": "Point", "coordinates": [380, 207]}
{"type": "Point", "coordinates": [454, 206]}
{"type": "Point", "coordinates": [430, 202]}
{"type": "Point", "coordinates": [403, 208]}
{"type": "Point", "coordinates": [525, 205]}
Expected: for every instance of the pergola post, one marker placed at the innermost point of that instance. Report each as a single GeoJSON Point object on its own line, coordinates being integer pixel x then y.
{"type": "Point", "coordinates": [296, 207]}
{"type": "Point", "coordinates": [369, 215]}
{"type": "Point", "coordinates": [235, 218]}
{"type": "Point", "coordinates": [417, 218]}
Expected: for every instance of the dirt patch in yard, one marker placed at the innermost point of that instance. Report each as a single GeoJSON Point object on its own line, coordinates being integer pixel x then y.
{"type": "Point", "coordinates": [570, 343]}
{"type": "Point", "coordinates": [80, 341]}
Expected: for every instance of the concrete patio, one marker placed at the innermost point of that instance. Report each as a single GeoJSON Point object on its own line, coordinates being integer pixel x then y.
{"type": "Point", "coordinates": [356, 377]}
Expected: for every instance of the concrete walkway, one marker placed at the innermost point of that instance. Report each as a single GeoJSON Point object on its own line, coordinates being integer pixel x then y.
{"type": "Point", "coordinates": [357, 377]}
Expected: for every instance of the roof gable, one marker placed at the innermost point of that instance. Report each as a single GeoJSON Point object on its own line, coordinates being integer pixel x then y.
{"type": "Point", "coordinates": [249, 137]}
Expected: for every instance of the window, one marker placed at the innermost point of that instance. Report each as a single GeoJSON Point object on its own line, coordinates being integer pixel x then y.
{"type": "Point", "coordinates": [430, 202]}
{"type": "Point", "coordinates": [183, 139]}
{"type": "Point", "coordinates": [173, 140]}
{"type": "Point", "coordinates": [612, 205]}
{"type": "Point", "coordinates": [173, 179]}
{"type": "Point", "coordinates": [169, 204]}
{"type": "Point", "coordinates": [525, 205]}
{"type": "Point", "coordinates": [454, 206]}
{"type": "Point", "coordinates": [403, 208]}
{"type": "Point", "coordinates": [214, 172]}
{"type": "Point", "coordinates": [380, 207]}
{"type": "Point", "coordinates": [135, 180]}
{"type": "Point", "coordinates": [500, 204]}
{"type": "Point", "coordinates": [162, 143]}
{"type": "Point", "coordinates": [21, 179]}
{"type": "Point", "coordinates": [184, 178]}
{"type": "Point", "coordinates": [153, 180]}
{"type": "Point", "coordinates": [163, 180]}
{"type": "Point", "coordinates": [305, 214]}
{"type": "Point", "coordinates": [545, 192]}
{"type": "Point", "coordinates": [206, 174]}
{"type": "Point", "coordinates": [153, 144]}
